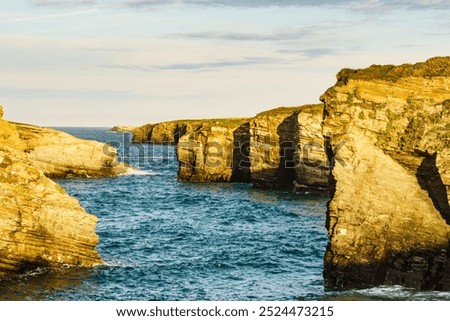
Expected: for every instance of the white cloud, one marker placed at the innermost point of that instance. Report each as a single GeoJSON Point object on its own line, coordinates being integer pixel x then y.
{"type": "Point", "coordinates": [50, 16]}
{"type": "Point", "coordinates": [355, 4]}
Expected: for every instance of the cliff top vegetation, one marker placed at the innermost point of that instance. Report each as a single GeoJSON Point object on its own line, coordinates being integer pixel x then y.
{"type": "Point", "coordinates": [434, 67]}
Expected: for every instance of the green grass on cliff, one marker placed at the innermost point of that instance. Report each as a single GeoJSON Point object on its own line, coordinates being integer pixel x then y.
{"type": "Point", "coordinates": [286, 110]}
{"type": "Point", "coordinates": [236, 122]}
{"type": "Point", "coordinates": [223, 122]}
{"type": "Point", "coordinates": [434, 67]}
{"type": "Point", "coordinates": [220, 121]}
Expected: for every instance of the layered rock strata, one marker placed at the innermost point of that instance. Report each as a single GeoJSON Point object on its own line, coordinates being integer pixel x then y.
{"type": "Point", "coordinates": [123, 129]}
{"type": "Point", "coordinates": [287, 149]}
{"type": "Point", "coordinates": [216, 152]}
{"type": "Point", "coordinates": [312, 167]}
{"type": "Point", "coordinates": [60, 155]}
{"type": "Point", "coordinates": [272, 147]}
{"type": "Point", "coordinates": [280, 148]}
{"type": "Point", "coordinates": [40, 225]}
{"type": "Point", "coordinates": [384, 131]}
{"type": "Point", "coordinates": [388, 133]}
{"type": "Point", "coordinates": [166, 132]}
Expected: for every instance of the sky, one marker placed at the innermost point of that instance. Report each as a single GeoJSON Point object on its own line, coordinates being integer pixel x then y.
{"type": "Point", "coordinates": [131, 62]}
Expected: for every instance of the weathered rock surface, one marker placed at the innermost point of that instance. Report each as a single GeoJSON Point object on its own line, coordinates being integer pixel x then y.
{"type": "Point", "coordinates": [60, 155]}
{"type": "Point", "coordinates": [312, 168]}
{"type": "Point", "coordinates": [287, 149]}
{"type": "Point", "coordinates": [166, 132]}
{"type": "Point", "coordinates": [272, 146]}
{"type": "Point", "coordinates": [123, 129]}
{"type": "Point", "coordinates": [216, 152]}
{"type": "Point", "coordinates": [40, 225]}
{"type": "Point", "coordinates": [280, 148]}
{"type": "Point", "coordinates": [388, 221]}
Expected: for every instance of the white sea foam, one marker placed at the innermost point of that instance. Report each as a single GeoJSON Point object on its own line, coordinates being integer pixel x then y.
{"type": "Point", "coordinates": [119, 264]}
{"type": "Point", "coordinates": [138, 172]}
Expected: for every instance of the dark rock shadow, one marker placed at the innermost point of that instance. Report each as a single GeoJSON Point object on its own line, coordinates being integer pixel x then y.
{"type": "Point", "coordinates": [241, 154]}
{"type": "Point", "coordinates": [287, 131]}
{"type": "Point", "coordinates": [430, 180]}
{"type": "Point", "coordinates": [424, 269]}
{"type": "Point", "coordinates": [43, 283]}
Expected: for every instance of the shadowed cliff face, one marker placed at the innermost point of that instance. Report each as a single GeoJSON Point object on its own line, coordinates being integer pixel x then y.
{"type": "Point", "coordinates": [388, 219]}
{"type": "Point", "coordinates": [40, 225]}
{"type": "Point", "coordinates": [384, 131]}
{"type": "Point", "coordinates": [280, 148]}
{"type": "Point", "coordinates": [215, 153]}
{"type": "Point", "coordinates": [272, 147]}
{"type": "Point", "coordinates": [166, 132]}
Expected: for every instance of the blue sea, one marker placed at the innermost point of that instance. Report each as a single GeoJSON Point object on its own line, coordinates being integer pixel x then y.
{"type": "Point", "coordinates": [162, 239]}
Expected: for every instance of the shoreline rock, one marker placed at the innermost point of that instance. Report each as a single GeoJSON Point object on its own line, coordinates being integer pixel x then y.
{"type": "Point", "coordinates": [279, 148]}
{"type": "Point", "coordinates": [123, 129]}
{"type": "Point", "coordinates": [213, 153]}
{"type": "Point", "coordinates": [389, 215]}
{"type": "Point", "coordinates": [166, 132]}
{"type": "Point", "coordinates": [41, 225]}
{"type": "Point", "coordinates": [61, 155]}
{"type": "Point", "coordinates": [287, 149]}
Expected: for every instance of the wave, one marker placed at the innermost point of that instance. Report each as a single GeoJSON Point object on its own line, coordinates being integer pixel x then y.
{"type": "Point", "coordinates": [119, 264]}
{"type": "Point", "coordinates": [138, 172]}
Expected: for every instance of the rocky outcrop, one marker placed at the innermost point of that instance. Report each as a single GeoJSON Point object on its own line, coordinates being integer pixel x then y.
{"type": "Point", "coordinates": [287, 149]}
{"type": "Point", "coordinates": [166, 132]}
{"type": "Point", "coordinates": [123, 129]}
{"type": "Point", "coordinates": [272, 146]}
{"type": "Point", "coordinates": [280, 148]}
{"type": "Point", "coordinates": [60, 155]}
{"type": "Point", "coordinates": [40, 225]}
{"type": "Point", "coordinates": [216, 152]}
{"type": "Point", "coordinates": [388, 133]}
{"type": "Point", "coordinates": [312, 168]}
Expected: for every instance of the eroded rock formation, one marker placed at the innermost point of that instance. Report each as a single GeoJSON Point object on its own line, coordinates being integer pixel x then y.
{"type": "Point", "coordinates": [216, 152]}
{"type": "Point", "coordinates": [60, 155]}
{"type": "Point", "coordinates": [40, 225]}
{"type": "Point", "coordinates": [166, 132]}
{"type": "Point", "coordinates": [388, 221]}
{"type": "Point", "coordinates": [123, 129]}
{"type": "Point", "coordinates": [280, 148]}
{"type": "Point", "coordinates": [384, 131]}
{"type": "Point", "coordinates": [287, 149]}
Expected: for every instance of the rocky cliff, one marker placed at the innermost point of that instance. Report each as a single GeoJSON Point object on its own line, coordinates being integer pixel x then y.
{"type": "Point", "coordinates": [280, 148]}
{"type": "Point", "coordinates": [123, 129]}
{"type": "Point", "coordinates": [40, 225]}
{"type": "Point", "coordinates": [166, 132]}
{"type": "Point", "coordinates": [287, 149]}
{"type": "Point", "coordinates": [60, 155]}
{"type": "Point", "coordinates": [388, 133]}
{"type": "Point", "coordinates": [215, 152]}
{"type": "Point", "coordinates": [384, 131]}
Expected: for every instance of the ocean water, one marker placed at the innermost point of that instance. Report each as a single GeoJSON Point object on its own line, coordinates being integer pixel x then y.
{"type": "Point", "coordinates": [162, 239]}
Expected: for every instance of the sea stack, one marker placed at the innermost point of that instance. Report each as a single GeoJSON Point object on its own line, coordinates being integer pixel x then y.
{"type": "Point", "coordinates": [388, 133]}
